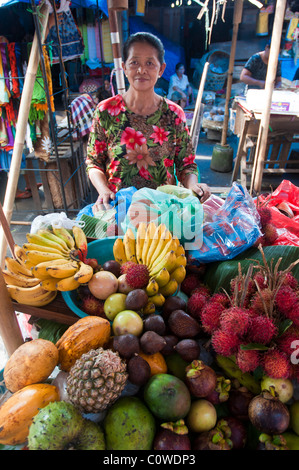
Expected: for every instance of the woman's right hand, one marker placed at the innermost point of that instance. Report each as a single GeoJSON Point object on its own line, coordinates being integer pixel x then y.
{"type": "Point", "coordinates": [103, 200]}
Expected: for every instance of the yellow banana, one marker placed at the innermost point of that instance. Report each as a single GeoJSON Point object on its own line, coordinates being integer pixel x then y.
{"type": "Point", "coordinates": [140, 237]}
{"type": "Point", "coordinates": [179, 274]}
{"type": "Point", "coordinates": [180, 250]}
{"type": "Point", "coordinates": [170, 288]}
{"type": "Point", "coordinates": [84, 273]}
{"type": "Point", "coordinates": [20, 254]}
{"type": "Point", "coordinates": [149, 308]}
{"type": "Point", "coordinates": [177, 241]}
{"type": "Point", "coordinates": [80, 239]}
{"type": "Point", "coordinates": [61, 271]}
{"type": "Point", "coordinates": [48, 235]}
{"type": "Point", "coordinates": [152, 288]}
{"type": "Point", "coordinates": [130, 246]}
{"type": "Point", "coordinates": [181, 260]}
{"type": "Point", "coordinates": [119, 251]}
{"type": "Point", "coordinates": [65, 235]}
{"type": "Point", "coordinates": [34, 296]}
{"type": "Point", "coordinates": [154, 243]}
{"type": "Point", "coordinates": [162, 277]}
{"type": "Point", "coordinates": [170, 246]}
{"type": "Point", "coordinates": [168, 262]}
{"type": "Point", "coordinates": [158, 299]}
{"type": "Point", "coordinates": [19, 280]}
{"type": "Point", "coordinates": [35, 257]}
{"type": "Point", "coordinates": [151, 228]}
{"type": "Point", "coordinates": [15, 267]}
{"type": "Point", "coordinates": [49, 284]}
{"type": "Point", "coordinates": [37, 239]}
{"type": "Point", "coordinates": [164, 239]}
{"type": "Point", "coordinates": [40, 270]}
{"type": "Point", "coordinates": [46, 249]}
{"type": "Point", "coordinates": [67, 284]}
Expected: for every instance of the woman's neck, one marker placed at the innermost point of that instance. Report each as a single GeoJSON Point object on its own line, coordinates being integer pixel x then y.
{"type": "Point", "coordinates": [142, 103]}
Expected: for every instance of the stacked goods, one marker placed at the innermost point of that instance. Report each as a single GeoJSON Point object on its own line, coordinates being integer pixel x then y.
{"type": "Point", "coordinates": [51, 260]}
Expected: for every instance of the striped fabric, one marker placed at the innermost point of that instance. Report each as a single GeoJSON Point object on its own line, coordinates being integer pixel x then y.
{"type": "Point", "coordinates": [82, 109]}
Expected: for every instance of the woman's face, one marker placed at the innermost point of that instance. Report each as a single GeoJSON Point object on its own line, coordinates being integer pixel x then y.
{"type": "Point", "coordinates": [142, 68]}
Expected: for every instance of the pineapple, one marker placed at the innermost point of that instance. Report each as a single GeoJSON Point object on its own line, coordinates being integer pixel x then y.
{"type": "Point", "coordinates": [96, 380]}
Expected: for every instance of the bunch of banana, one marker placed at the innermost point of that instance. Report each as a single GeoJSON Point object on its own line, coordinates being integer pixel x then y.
{"type": "Point", "coordinates": [161, 252]}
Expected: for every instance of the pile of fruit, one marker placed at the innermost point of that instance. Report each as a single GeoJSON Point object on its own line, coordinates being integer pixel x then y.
{"type": "Point", "coordinates": [138, 375]}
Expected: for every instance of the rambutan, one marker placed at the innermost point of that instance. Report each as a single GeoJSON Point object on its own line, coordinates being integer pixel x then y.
{"type": "Point", "coordinates": [220, 298]}
{"type": "Point", "coordinates": [195, 303]}
{"type": "Point", "coordinates": [261, 301]}
{"type": "Point", "coordinates": [265, 215]}
{"type": "Point", "coordinates": [285, 299]}
{"type": "Point", "coordinates": [93, 306]}
{"type": "Point", "coordinates": [224, 343]}
{"type": "Point", "coordinates": [124, 267]}
{"type": "Point", "coordinates": [293, 314]}
{"type": "Point", "coordinates": [202, 289]}
{"type": "Point", "coordinates": [270, 234]}
{"type": "Point", "coordinates": [276, 364]}
{"type": "Point", "coordinates": [247, 359]}
{"type": "Point", "coordinates": [137, 276]}
{"type": "Point", "coordinates": [210, 316]}
{"type": "Point", "coordinates": [260, 280]}
{"type": "Point", "coordinates": [191, 282]}
{"type": "Point", "coordinates": [261, 330]}
{"type": "Point", "coordinates": [238, 284]}
{"type": "Point", "coordinates": [286, 341]}
{"type": "Point", "coordinates": [235, 320]}
{"type": "Point", "coordinates": [290, 281]}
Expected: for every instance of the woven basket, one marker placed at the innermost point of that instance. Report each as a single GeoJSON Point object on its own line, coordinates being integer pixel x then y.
{"type": "Point", "coordinates": [215, 81]}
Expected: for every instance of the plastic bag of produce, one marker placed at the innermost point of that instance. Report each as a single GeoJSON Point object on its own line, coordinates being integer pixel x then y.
{"type": "Point", "coordinates": [231, 229]}
{"type": "Point", "coordinates": [176, 207]}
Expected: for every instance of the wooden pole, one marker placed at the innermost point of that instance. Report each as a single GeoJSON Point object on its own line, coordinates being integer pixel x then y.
{"type": "Point", "coordinates": [116, 50]}
{"type": "Point", "coordinates": [14, 172]}
{"type": "Point", "coordinates": [10, 331]}
{"type": "Point", "coordinates": [7, 232]}
{"type": "Point", "coordinates": [260, 152]}
{"type": "Point", "coordinates": [238, 10]}
{"type": "Point", "coordinates": [195, 125]}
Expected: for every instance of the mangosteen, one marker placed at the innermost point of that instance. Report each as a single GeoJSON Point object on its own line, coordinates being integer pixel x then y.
{"type": "Point", "coordinates": [238, 402]}
{"type": "Point", "coordinates": [221, 392]}
{"type": "Point", "coordinates": [200, 379]}
{"type": "Point", "coordinates": [112, 266]}
{"type": "Point", "coordinates": [236, 430]}
{"type": "Point", "coordinates": [172, 436]}
{"type": "Point", "coordinates": [211, 440]}
{"type": "Point", "coordinates": [268, 414]}
{"type": "Point", "coordinates": [268, 442]}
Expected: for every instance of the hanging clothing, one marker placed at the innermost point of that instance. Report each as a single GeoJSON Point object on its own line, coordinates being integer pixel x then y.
{"type": "Point", "coordinates": [82, 110]}
{"type": "Point", "coordinates": [4, 92]}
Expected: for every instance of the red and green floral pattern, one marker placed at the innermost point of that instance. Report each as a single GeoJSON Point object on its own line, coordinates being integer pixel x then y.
{"type": "Point", "coordinates": [156, 153]}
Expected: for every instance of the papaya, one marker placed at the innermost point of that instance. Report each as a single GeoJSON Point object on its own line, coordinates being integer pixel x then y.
{"type": "Point", "coordinates": [31, 363]}
{"type": "Point", "coordinates": [18, 411]}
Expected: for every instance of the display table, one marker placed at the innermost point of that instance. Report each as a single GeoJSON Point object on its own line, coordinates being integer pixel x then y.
{"type": "Point", "coordinates": [283, 131]}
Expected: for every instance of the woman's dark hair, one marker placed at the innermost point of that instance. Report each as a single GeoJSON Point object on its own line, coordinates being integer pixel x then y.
{"type": "Point", "coordinates": [144, 37]}
{"type": "Point", "coordinates": [179, 65]}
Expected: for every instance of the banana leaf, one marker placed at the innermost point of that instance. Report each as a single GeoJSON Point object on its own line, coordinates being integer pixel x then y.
{"type": "Point", "coordinates": [219, 274]}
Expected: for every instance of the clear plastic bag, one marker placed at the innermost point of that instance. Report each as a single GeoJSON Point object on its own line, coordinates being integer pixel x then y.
{"type": "Point", "coordinates": [54, 219]}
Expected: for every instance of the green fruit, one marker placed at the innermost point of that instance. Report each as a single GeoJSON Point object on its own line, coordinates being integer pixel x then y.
{"type": "Point", "coordinates": [167, 397]}
{"type": "Point", "coordinates": [292, 440]}
{"type": "Point", "coordinates": [91, 437]}
{"type": "Point", "coordinates": [129, 425]}
{"type": "Point", "coordinates": [176, 365]}
{"type": "Point", "coordinates": [294, 417]}
{"type": "Point", "coordinates": [127, 321]}
{"type": "Point", "coordinates": [202, 416]}
{"type": "Point", "coordinates": [114, 304]}
{"type": "Point", "coordinates": [283, 387]}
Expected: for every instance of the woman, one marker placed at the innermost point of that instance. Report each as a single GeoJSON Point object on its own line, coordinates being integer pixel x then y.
{"type": "Point", "coordinates": [255, 70]}
{"type": "Point", "coordinates": [139, 138]}
{"type": "Point", "coordinates": [179, 87]}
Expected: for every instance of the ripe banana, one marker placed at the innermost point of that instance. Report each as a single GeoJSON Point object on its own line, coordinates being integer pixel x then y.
{"type": "Point", "coordinates": [36, 296]}
{"type": "Point", "coordinates": [149, 308]}
{"type": "Point", "coordinates": [48, 235]}
{"type": "Point", "coordinates": [158, 299]}
{"type": "Point", "coordinates": [19, 280]}
{"type": "Point", "coordinates": [40, 270]}
{"type": "Point", "coordinates": [154, 243]}
{"type": "Point", "coordinates": [65, 235]}
{"type": "Point", "coordinates": [49, 284]}
{"type": "Point", "coordinates": [162, 277]}
{"type": "Point", "coordinates": [15, 267]}
{"type": "Point", "coordinates": [119, 251]}
{"type": "Point", "coordinates": [80, 239]}
{"type": "Point", "coordinates": [170, 288]}
{"type": "Point", "coordinates": [180, 250]}
{"type": "Point", "coordinates": [35, 257]}
{"type": "Point", "coordinates": [84, 273]}
{"type": "Point", "coordinates": [67, 284]}
{"type": "Point", "coordinates": [152, 288]}
{"type": "Point", "coordinates": [130, 246]}
{"type": "Point", "coordinates": [20, 254]}
{"type": "Point", "coordinates": [168, 262]}
{"type": "Point", "coordinates": [164, 239]}
{"type": "Point", "coordinates": [150, 231]}
{"type": "Point", "coordinates": [181, 260]}
{"type": "Point", "coordinates": [61, 271]}
{"type": "Point", "coordinates": [170, 246]}
{"type": "Point", "coordinates": [179, 274]}
{"type": "Point", "coordinates": [140, 237]}
{"type": "Point", "coordinates": [37, 239]}
{"type": "Point", "coordinates": [46, 249]}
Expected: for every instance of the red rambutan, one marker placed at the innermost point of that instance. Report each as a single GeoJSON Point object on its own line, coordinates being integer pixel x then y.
{"type": "Point", "coordinates": [93, 306]}
{"type": "Point", "coordinates": [220, 298]}
{"type": "Point", "coordinates": [210, 316]}
{"type": "Point", "coordinates": [285, 299]}
{"type": "Point", "coordinates": [247, 359]}
{"type": "Point", "coordinates": [262, 299]}
{"type": "Point", "coordinates": [293, 314]}
{"type": "Point", "coordinates": [286, 341]}
{"type": "Point", "coordinates": [137, 276]}
{"type": "Point", "coordinates": [260, 280]}
{"type": "Point", "coordinates": [261, 330]}
{"type": "Point", "coordinates": [195, 303]}
{"type": "Point", "coordinates": [270, 234]}
{"type": "Point", "coordinates": [202, 289]}
{"type": "Point", "coordinates": [265, 215]}
{"type": "Point", "coordinates": [225, 343]}
{"type": "Point", "coordinates": [276, 364]}
{"type": "Point", "coordinates": [235, 320]}
{"type": "Point", "coordinates": [124, 267]}
{"type": "Point", "coordinates": [190, 283]}
{"type": "Point", "coordinates": [290, 281]}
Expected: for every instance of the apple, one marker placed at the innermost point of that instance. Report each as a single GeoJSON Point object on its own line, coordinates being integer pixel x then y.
{"type": "Point", "coordinates": [202, 416]}
{"type": "Point", "coordinates": [114, 304]}
{"type": "Point", "coordinates": [127, 321]}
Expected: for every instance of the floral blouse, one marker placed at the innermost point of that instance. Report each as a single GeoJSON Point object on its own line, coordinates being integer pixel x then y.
{"type": "Point", "coordinates": [140, 151]}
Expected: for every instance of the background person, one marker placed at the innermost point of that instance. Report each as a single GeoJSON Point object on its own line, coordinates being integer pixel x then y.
{"type": "Point", "coordinates": [180, 90]}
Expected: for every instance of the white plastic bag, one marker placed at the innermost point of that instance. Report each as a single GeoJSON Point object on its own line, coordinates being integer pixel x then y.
{"type": "Point", "coordinates": [54, 220]}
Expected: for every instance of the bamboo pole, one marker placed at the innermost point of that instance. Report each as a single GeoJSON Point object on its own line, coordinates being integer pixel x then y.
{"type": "Point", "coordinates": [260, 152]}
{"type": "Point", "coordinates": [238, 10]}
{"type": "Point", "coordinates": [116, 50]}
{"type": "Point", "coordinates": [10, 331]}
{"type": "Point", "coordinates": [195, 125]}
{"type": "Point", "coordinates": [14, 172]}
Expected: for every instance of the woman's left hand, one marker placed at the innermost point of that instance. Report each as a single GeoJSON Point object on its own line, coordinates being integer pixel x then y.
{"type": "Point", "coordinates": [202, 190]}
